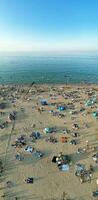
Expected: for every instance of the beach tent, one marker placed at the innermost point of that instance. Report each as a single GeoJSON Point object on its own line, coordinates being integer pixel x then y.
{"type": "Point", "coordinates": [3, 105]}
{"type": "Point", "coordinates": [38, 154]}
{"type": "Point", "coordinates": [29, 149]}
{"type": "Point", "coordinates": [35, 135]}
{"type": "Point", "coordinates": [2, 124]}
{"type": "Point", "coordinates": [80, 168]}
{"type": "Point", "coordinates": [12, 116]}
{"type": "Point", "coordinates": [64, 139]}
{"type": "Point", "coordinates": [61, 108]}
{"type": "Point", "coordinates": [95, 114]}
{"type": "Point", "coordinates": [48, 130]}
{"type": "Point", "coordinates": [64, 167]}
{"type": "Point", "coordinates": [1, 166]}
{"type": "Point", "coordinates": [82, 109]}
{"type": "Point", "coordinates": [90, 101]}
{"type": "Point", "coordinates": [44, 102]}
{"type": "Point", "coordinates": [1, 121]}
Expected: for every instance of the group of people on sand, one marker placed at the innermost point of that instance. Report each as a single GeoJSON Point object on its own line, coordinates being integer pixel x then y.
{"type": "Point", "coordinates": [60, 159]}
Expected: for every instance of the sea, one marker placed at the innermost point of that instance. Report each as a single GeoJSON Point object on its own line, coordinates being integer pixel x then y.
{"type": "Point", "coordinates": [22, 69]}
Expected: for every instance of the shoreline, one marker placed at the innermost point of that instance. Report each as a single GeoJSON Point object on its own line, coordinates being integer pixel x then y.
{"type": "Point", "coordinates": [51, 84]}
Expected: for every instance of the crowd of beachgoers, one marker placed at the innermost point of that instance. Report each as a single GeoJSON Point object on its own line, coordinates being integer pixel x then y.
{"type": "Point", "coordinates": [48, 142]}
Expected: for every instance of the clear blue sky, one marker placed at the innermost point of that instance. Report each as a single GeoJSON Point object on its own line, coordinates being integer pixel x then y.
{"type": "Point", "coordinates": [48, 25]}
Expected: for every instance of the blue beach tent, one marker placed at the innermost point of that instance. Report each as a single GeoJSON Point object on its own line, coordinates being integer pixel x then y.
{"type": "Point", "coordinates": [48, 130]}
{"type": "Point", "coordinates": [44, 102]}
{"type": "Point", "coordinates": [95, 114]}
{"type": "Point", "coordinates": [90, 101]}
{"type": "Point", "coordinates": [61, 108]}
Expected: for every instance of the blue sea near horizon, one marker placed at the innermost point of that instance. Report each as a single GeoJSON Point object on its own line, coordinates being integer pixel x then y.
{"type": "Point", "coordinates": [48, 69]}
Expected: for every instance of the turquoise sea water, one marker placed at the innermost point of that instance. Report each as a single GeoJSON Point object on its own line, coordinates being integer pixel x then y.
{"type": "Point", "coordinates": [64, 69]}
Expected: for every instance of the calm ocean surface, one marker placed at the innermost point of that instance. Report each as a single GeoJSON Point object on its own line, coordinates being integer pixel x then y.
{"type": "Point", "coordinates": [68, 69]}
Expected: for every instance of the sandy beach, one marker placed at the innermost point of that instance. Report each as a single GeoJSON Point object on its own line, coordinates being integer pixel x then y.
{"type": "Point", "coordinates": [58, 107]}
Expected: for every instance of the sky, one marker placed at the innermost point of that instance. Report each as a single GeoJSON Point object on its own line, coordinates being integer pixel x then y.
{"type": "Point", "coordinates": [48, 25]}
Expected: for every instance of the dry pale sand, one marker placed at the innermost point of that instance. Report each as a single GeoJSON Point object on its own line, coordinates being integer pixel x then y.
{"type": "Point", "coordinates": [49, 182]}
